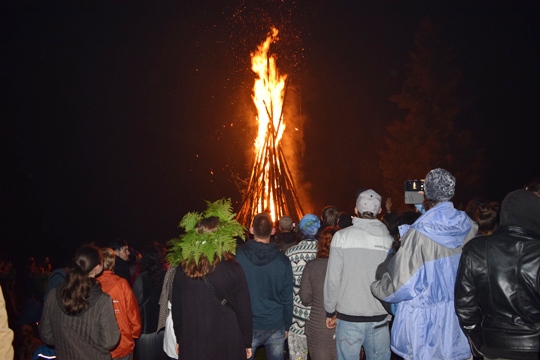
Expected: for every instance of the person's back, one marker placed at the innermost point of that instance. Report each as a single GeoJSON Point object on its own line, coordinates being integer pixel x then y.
{"type": "Point", "coordinates": [269, 276]}
{"type": "Point", "coordinates": [355, 253]}
{"type": "Point", "coordinates": [210, 330]}
{"type": "Point", "coordinates": [321, 339]}
{"type": "Point", "coordinates": [78, 317]}
{"type": "Point", "coordinates": [300, 255]}
{"type": "Point", "coordinates": [125, 306]}
{"type": "Point", "coordinates": [288, 240]}
{"type": "Point", "coordinates": [209, 299]}
{"type": "Point", "coordinates": [70, 344]}
{"type": "Point", "coordinates": [503, 324]}
{"type": "Point", "coordinates": [358, 250]}
{"type": "Point", "coordinates": [420, 278]}
{"type": "Point", "coordinates": [285, 237]}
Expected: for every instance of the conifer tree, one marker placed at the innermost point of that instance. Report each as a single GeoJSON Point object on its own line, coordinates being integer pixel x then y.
{"type": "Point", "coordinates": [427, 137]}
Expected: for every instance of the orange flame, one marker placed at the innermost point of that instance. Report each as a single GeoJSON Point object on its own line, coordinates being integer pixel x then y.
{"type": "Point", "coordinates": [268, 96]}
{"type": "Point", "coordinates": [268, 91]}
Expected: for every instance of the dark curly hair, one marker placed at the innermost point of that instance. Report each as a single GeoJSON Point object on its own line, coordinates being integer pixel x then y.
{"type": "Point", "coordinates": [153, 262]}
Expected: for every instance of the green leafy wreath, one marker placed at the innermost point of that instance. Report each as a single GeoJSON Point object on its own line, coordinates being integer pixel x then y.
{"type": "Point", "coordinates": [191, 245]}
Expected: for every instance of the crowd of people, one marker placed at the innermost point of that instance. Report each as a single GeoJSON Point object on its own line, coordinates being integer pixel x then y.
{"type": "Point", "coordinates": [434, 282]}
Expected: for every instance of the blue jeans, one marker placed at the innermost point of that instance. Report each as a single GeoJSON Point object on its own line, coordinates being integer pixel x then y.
{"type": "Point", "coordinates": [273, 341]}
{"type": "Point", "coordinates": [375, 336]}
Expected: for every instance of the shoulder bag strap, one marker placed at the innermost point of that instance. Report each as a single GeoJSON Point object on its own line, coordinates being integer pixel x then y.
{"type": "Point", "coordinates": [221, 299]}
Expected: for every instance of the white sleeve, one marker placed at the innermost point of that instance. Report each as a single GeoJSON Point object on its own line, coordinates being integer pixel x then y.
{"type": "Point", "coordinates": [332, 281]}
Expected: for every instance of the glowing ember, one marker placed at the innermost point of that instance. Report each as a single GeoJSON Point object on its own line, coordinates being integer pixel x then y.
{"type": "Point", "coordinates": [270, 187]}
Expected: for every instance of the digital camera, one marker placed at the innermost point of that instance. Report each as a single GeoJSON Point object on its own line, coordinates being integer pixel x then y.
{"type": "Point", "coordinates": [414, 191]}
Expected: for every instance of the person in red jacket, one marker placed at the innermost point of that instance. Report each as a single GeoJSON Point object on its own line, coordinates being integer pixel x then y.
{"type": "Point", "coordinates": [125, 306]}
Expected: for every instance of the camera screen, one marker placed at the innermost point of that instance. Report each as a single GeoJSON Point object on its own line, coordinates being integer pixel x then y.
{"type": "Point", "coordinates": [414, 185]}
{"type": "Point", "coordinates": [414, 191]}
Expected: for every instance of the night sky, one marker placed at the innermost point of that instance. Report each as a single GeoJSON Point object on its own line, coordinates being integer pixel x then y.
{"type": "Point", "coordinates": [118, 117]}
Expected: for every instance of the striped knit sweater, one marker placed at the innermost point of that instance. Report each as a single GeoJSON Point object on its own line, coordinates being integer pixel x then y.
{"type": "Point", "coordinates": [299, 255]}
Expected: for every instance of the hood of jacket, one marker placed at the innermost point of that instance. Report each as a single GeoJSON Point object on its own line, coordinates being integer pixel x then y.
{"type": "Point", "coordinates": [93, 296]}
{"type": "Point", "coordinates": [371, 226]}
{"type": "Point", "coordinates": [260, 253]}
{"type": "Point", "coordinates": [521, 208]}
{"type": "Point", "coordinates": [108, 280]}
{"type": "Point", "coordinates": [445, 225]}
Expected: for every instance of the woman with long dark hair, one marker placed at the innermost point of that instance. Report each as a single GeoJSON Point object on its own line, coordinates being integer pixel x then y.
{"type": "Point", "coordinates": [78, 318]}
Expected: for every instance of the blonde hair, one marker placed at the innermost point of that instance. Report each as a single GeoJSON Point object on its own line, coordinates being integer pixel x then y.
{"type": "Point", "coordinates": [109, 258]}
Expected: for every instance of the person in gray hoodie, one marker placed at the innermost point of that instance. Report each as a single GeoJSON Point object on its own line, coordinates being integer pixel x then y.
{"type": "Point", "coordinates": [355, 254]}
{"type": "Point", "coordinates": [270, 281]}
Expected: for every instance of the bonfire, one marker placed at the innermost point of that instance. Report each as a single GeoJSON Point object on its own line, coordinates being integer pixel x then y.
{"type": "Point", "coordinates": [270, 187]}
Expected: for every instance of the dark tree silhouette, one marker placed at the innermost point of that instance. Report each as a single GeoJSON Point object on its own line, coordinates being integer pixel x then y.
{"type": "Point", "coordinates": [427, 137]}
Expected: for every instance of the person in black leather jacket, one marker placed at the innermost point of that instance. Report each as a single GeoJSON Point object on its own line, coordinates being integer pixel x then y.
{"type": "Point", "coordinates": [497, 296]}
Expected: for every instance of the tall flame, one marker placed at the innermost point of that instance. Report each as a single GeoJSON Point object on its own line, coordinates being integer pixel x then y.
{"type": "Point", "coordinates": [268, 91]}
{"type": "Point", "coordinates": [268, 96]}
{"type": "Point", "coordinates": [270, 188]}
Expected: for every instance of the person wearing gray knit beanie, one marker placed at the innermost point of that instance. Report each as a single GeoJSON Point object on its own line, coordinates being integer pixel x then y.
{"type": "Point", "coordinates": [439, 185]}
{"type": "Point", "coordinates": [421, 277]}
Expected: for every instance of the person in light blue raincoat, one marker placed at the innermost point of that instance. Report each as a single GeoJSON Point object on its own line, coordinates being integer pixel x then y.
{"type": "Point", "coordinates": [421, 278]}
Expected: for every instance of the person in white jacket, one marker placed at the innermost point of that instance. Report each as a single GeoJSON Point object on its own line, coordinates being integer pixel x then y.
{"type": "Point", "coordinates": [355, 253]}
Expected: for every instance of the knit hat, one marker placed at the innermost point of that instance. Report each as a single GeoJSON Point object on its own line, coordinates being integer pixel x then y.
{"type": "Point", "coordinates": [309, 225]}
{"type": "Point", "coordinates": [439, 185]}
{"type": "Point", "coordinates": [368, 201]}
{"type": "Point", "coordinates": [285, 223]}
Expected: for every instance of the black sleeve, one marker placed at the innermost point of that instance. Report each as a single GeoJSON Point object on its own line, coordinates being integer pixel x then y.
{"type": "Point", "coordinates": [465, 297]}
{"type": "Point", "coordinates": [242, 306]}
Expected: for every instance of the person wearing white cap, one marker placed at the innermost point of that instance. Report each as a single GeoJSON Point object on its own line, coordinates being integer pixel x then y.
{"type": "Point", "coordinates": [355, 253]}
{"type": "Point", "coordinates": [421, 277]}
